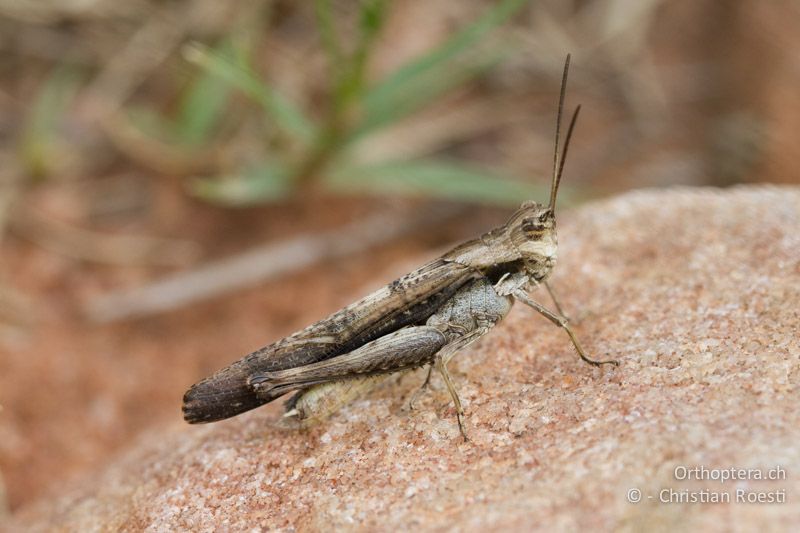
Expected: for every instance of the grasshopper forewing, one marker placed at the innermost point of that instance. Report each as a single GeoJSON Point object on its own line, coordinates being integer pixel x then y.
{"type": "Point", "coordinates": [421, 319]}
{"type": "Point", "coordinates": [406, 301]}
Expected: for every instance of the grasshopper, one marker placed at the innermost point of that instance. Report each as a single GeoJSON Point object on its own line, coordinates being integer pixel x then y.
{"type": "Point", "coordinates": [422, 318]}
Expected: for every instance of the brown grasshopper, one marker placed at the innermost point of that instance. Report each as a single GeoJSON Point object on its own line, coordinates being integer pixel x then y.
{"type": "Point", "coordinates": [423, 318]}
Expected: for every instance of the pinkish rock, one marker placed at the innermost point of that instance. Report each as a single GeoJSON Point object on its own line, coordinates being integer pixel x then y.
{"type": "Point", "coordinates": [696, 292]}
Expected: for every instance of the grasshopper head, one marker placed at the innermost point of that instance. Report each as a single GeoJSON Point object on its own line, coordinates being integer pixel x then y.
{"type": "Point", "coordinates": [532, 229]}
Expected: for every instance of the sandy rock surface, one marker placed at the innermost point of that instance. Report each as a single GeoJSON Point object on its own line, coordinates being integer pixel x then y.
{"type": "Point", "coordinates": [696, 292]}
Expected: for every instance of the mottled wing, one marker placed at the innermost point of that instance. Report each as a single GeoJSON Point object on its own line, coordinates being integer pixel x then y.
{"type": "Point", "coordinates": [406, 301]}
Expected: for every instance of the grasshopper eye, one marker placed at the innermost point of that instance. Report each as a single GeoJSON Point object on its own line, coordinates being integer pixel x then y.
{"type": "Point", "coordinates": [532, 225]}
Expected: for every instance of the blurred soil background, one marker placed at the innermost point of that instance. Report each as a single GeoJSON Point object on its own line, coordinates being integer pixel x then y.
{"type": "Point", "coordinates": [183, 182]}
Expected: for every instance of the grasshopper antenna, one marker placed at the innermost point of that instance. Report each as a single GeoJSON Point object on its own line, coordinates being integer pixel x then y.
{"type": "Point", "coordinates": [558, 162]}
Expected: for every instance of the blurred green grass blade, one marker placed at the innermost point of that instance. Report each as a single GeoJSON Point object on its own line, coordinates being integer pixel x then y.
{"type": "Point", "coordinates": [151, 123]}
{"type": "Point", "coordinates": [261, 183]}
{"type": "Point", "coordinates": [204, 103]}
{"type": "Point", "coordinates": [419, 93]}
{"type": "Point", "coordinates": [41, 129]}
{"type": "Point", "coordinates": [330, 40]}
{"type": "Point", "coordinates": [440, 179]}
{"type": "Point", "coordinates": [372, 16]}
{"type": "Point", "coordinates": [350, 85]}
{"type": "Point", "coordinates": [387, 91]}
{"type": "Point", "coordinates": [286, 115]}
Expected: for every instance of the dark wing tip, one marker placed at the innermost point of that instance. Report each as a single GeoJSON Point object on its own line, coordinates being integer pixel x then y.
{"type": "Point", "coordinates": [211, 400]}
{"type": "Point", "coordinates": [198, 407]}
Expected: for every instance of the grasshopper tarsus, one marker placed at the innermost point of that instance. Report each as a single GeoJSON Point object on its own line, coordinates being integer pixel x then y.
{"type": "Point", "coordinates": [598, 363]}
{"type": "Point", "coordinates": [582, 354]}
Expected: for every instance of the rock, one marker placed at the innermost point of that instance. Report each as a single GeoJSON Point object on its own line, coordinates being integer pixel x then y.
{"type": "Point", "coordinates": [695, 291]}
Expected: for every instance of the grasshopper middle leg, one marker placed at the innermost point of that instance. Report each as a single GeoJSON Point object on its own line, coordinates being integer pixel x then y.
{"type": "Point", "coordinates": [440, 362]}
{"type": "Point", "coordinates": [412, 401]}
{"type": "Point", "coordinates": [555, 299]}
{"type": "Point", "coordinates": [561, 322]}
